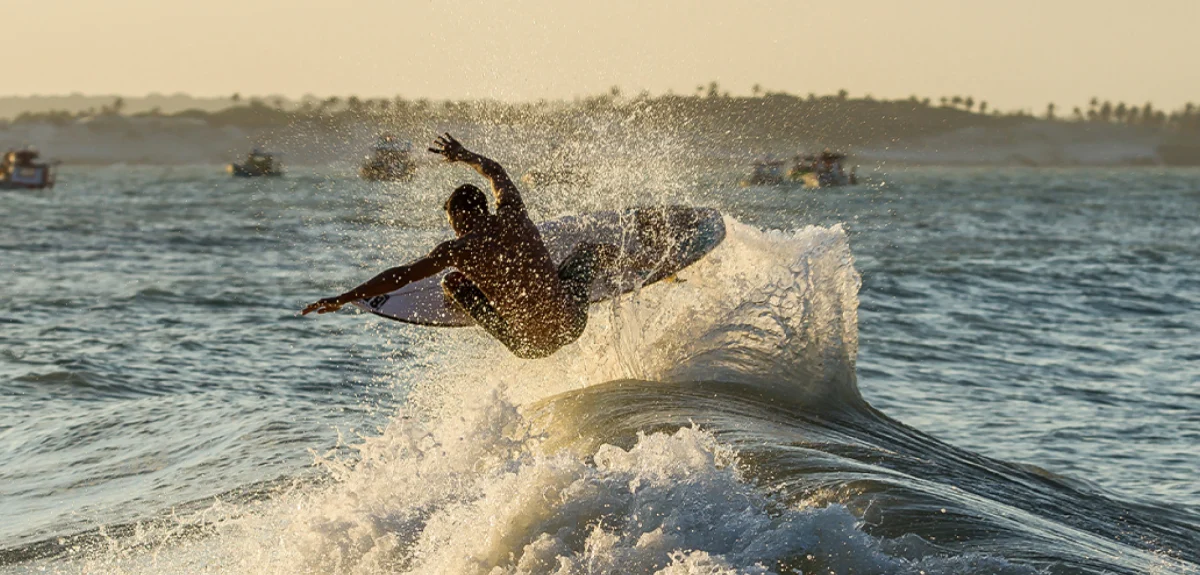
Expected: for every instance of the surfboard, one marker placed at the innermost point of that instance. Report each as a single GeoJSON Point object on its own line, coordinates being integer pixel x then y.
{"type": "Point", "coordinates": [655, 243]}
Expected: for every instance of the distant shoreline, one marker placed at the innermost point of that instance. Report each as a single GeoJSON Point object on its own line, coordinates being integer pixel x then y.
{"type": "Point", "coordinates": [331, 131]}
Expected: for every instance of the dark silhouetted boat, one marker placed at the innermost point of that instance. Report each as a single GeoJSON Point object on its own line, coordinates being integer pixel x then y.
{"type": "Point", "coordinates": [258, 164]}
{"type": "Point", "coordinates": [21, 170]}
{"type": "Point", "coordinates": [822, 170]}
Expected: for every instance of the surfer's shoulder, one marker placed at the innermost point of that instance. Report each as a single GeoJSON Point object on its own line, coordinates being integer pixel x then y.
{"type": "Point", "coordinates": [456, 246]}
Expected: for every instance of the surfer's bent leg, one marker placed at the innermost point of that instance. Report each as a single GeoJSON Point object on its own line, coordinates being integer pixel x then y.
{"type": "Point", "coordinates": [576, 274]}
{"type": "Point", "coordinates": [466, 294]}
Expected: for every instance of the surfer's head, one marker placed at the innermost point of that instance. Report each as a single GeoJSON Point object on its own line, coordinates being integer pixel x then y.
{"type": "Point", "coordinates": [467, 208]}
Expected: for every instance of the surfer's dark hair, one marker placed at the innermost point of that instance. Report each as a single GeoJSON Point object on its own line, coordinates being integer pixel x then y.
{"type": "Point", "coordinates": [467, 199]}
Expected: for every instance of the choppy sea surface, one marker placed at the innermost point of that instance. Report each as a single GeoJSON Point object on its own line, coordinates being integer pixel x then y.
{"type": "Point", "coordinates": [941, 371]}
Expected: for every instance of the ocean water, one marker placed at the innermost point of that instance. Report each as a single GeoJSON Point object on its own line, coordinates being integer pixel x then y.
{"type": "Point", "coordinates": [943, 371]}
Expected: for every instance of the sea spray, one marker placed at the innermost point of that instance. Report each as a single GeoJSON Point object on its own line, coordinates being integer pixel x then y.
{"type": "Point", "coordinates": [777, 309]}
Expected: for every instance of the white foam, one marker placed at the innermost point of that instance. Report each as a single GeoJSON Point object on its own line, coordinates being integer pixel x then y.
{"type": "Point", "coordinates": [477, 495]}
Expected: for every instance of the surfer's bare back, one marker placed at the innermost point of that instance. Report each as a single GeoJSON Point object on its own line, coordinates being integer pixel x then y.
{"type": "Point", "coordinates": [504, 276]}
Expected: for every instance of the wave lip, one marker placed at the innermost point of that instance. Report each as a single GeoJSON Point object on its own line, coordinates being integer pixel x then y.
{"type": "Point", "coordinates": [786, 319]}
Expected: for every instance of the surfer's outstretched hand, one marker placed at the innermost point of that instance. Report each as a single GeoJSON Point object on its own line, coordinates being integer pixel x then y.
{"type": "Point", "coordinates": [324, 306]}
{"type": "Point", "coordinates": [451, 149]}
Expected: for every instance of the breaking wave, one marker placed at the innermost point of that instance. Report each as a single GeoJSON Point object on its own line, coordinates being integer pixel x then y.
{"type": "Point", "coordinates": [712, 425]}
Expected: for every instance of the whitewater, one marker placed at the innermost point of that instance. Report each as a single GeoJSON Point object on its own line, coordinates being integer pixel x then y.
{"type": "Point", "coordinates": [944, 371]}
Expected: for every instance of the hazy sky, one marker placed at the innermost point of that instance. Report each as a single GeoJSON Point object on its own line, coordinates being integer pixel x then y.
{"type": "Point", "coordinates": [1016, 53]}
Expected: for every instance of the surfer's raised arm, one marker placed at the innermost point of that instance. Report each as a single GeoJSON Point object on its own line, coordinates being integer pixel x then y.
{"type": "Point", "coordinates": [390, 280]}
{"type": "Point", "coordinates": [507, 196]}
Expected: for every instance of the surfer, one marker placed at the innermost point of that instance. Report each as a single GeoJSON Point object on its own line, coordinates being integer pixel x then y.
{"type": "Point", "coordinates": [504, 276]}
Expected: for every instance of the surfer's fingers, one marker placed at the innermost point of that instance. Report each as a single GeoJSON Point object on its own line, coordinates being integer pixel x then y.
{"type": "Point", "coordinates": [449, 142]}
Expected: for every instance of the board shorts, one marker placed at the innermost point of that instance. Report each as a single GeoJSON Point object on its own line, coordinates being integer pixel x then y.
{"type": "Point", "coordinates": [575, 273]}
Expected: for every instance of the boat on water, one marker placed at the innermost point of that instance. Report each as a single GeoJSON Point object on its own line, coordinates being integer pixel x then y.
{"type": "Point", "coordinates": [391, 159]}
{"type": "Point", "coordinates": [21, 170]}
{"type": "Point", "coordinates": [765, 172]}
{"type": "Point", "coordinates": [822, 170]}
{"type": "Point", "coordinates": [258, 164]}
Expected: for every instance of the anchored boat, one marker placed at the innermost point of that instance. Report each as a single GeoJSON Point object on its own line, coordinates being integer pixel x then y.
{"type": "Point", "coordinates": [258, 164]}
{"type": "Point", "coordinates": [21, 170]}
{"type": "Point", "coordinates": [822, 170]}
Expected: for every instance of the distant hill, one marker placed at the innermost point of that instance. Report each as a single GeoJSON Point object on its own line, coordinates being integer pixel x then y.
{"type": "Point", "coordinates": [13, 106]}
{"type": "Point", "coordinates": [182, 129]}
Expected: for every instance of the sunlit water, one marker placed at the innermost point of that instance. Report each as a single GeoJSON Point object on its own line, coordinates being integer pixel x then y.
{"type": "Point", "coordinates": [948, 371]}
